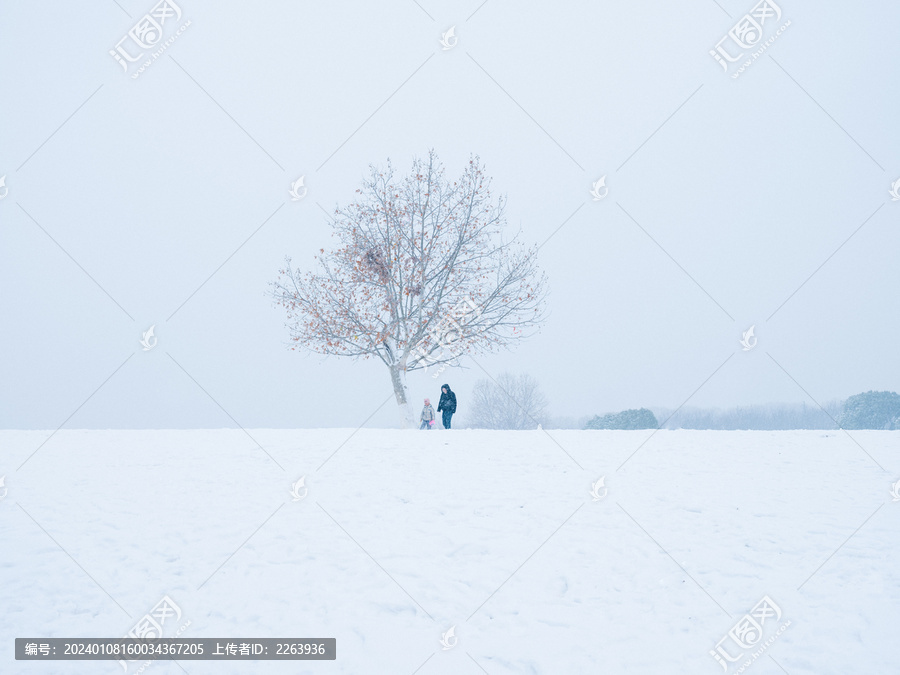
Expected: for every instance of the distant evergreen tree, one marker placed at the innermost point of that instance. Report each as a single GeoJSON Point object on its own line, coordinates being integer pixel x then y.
{"type": "Point", "coordinates": [871, 410]}
{"type": "Point", "coordinates": [627, 419]}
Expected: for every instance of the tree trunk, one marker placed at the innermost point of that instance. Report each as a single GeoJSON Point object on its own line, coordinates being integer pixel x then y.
{"type": "Point", "coordinates": [401, 393]}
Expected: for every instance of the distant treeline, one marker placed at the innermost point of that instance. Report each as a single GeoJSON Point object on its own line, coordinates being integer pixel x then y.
{"type": "Point", "coordinates": [768, 417]}
{"type": "Point", "coordinates": [876, 410]}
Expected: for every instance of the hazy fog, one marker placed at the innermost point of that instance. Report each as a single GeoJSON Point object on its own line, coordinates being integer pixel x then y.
{"type": "Point", "coordinates": [163, 200]}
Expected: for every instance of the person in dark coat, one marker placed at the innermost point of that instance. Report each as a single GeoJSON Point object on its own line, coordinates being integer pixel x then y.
{"type": "Point", "coordinates": [447, 404]}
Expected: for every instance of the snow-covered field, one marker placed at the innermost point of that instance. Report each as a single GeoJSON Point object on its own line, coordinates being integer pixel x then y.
{"type": "Point", "coordinates": [403, 534]}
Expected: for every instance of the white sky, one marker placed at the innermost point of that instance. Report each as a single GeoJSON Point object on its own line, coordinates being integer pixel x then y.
{"type": "Point", "coordinates": [145, 190]}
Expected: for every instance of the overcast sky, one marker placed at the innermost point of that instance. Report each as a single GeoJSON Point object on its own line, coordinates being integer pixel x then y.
{"type": "Point", "coordinates": [163, 199]}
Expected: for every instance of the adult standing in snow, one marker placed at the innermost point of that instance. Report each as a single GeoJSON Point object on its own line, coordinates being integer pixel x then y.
{"type": "Point", "coordinates": [447, 404]}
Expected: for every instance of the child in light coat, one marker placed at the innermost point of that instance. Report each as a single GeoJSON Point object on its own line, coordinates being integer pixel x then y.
{"type": "Point", "coordinates": [427, 416]}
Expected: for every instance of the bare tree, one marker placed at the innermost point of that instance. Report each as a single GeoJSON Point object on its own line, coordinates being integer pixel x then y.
{"type": "Point", "coordinates": [414, 252]}
{"type": "Point", "coordinates": [509, 402]}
